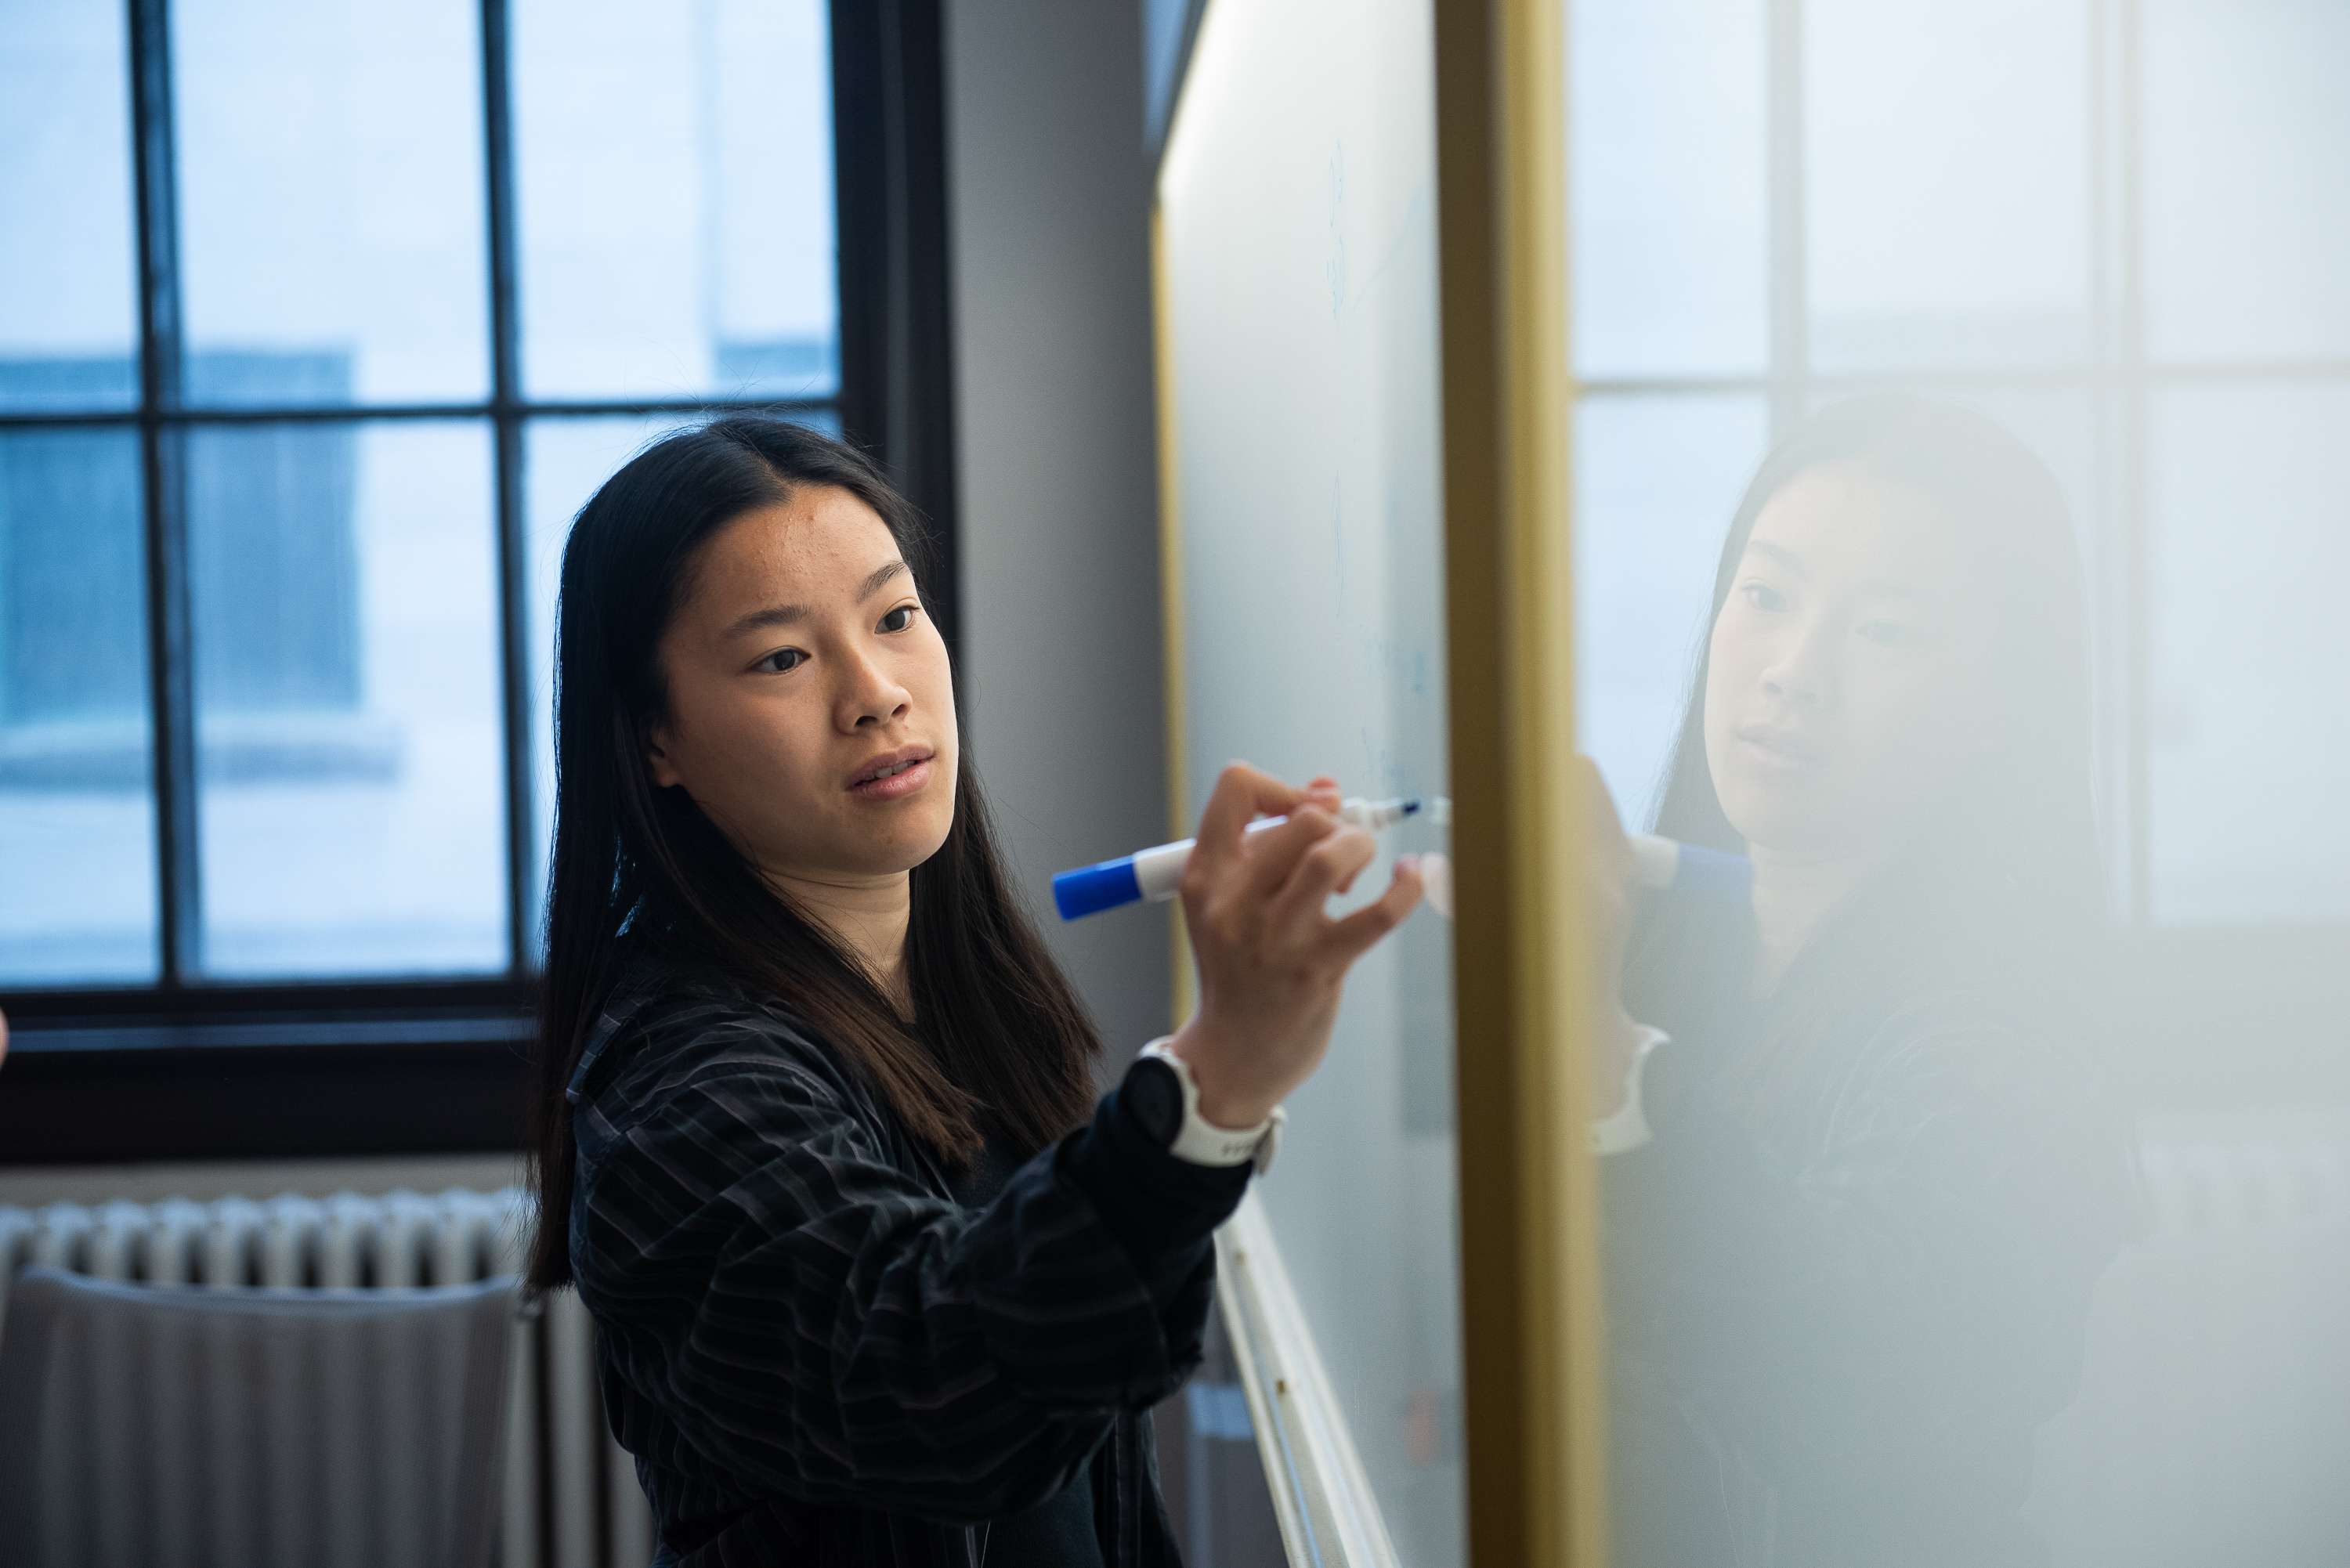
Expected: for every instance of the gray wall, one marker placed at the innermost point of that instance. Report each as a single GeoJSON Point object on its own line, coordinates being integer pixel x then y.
{"type": "Point", "coordinates": [1061, 677]}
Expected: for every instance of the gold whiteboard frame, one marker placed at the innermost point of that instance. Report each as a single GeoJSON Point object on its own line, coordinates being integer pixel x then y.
{"type": "Point", "coordinates": [1534, 1370]}
{"type": "Point", "coordinates": [1534, 1367]}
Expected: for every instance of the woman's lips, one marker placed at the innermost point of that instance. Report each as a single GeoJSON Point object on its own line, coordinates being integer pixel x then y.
{"type": "Point", "coordinates": [1779, 751]}
{"type": "Point", "coordinates": [893, 775]}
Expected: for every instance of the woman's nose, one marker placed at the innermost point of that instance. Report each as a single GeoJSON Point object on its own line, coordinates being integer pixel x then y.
{"type": "Point", "coordinates": [1800, 675]}
{"type": "Point", "coordinates": [870, 696]}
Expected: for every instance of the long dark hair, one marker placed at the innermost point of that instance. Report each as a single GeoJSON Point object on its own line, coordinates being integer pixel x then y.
{"type": "Point", "coordinates": [2005, 878]}
{"type": "Point", "coordinates": [998, 1036]}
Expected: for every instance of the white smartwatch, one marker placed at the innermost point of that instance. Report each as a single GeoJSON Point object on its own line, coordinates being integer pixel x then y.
{"type": "Point", "coordinates": [1625, 1128]}
{"type": "Point", "coordinates": [1165, 1100]}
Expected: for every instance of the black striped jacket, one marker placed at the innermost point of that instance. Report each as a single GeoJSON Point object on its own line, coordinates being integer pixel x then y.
{"type": "Point", "coordinates": [816, 1354]}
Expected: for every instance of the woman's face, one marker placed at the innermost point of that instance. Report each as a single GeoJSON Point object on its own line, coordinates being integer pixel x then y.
{"type": "Point", "coordinates": [811, 708]}
{"type": "Point", "coordinates": [1848, 680]}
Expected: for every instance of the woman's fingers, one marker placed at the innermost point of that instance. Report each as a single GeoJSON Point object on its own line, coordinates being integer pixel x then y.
{"type": "Point", "coordinates": [1275, 854]}
{"type": "Point", "coordinates": [1322, 868]}
{"type": "Point", "coordinates": [1242, 793]}
{"type": "Point", "coordinates": [1360, 932]}
{"type": "Point", "coordinates": [1287, 873]}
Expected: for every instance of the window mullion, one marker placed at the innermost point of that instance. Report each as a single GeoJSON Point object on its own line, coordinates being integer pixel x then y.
{"type": "Point", "coordinates": [1789, 294]}
{"type": "Point", "coordinates": [506, 416]}
{"type": "Point", "coordinates": [162, 451]}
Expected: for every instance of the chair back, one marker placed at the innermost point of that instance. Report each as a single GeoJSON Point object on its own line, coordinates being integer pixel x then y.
{"type": "Point", "coordinates": [248, 1427]}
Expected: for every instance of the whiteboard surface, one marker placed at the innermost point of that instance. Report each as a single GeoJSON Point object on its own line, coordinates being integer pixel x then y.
{"type": "Point", "coordinates": [1299, 232]}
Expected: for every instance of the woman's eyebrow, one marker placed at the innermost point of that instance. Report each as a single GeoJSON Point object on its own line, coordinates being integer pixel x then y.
{"type": "Point", "coordinates": [760, 619]}
{"type": "Point", "coordinates": [1778, 552]}
{"type": "Point", "coordinates": [788, 615]}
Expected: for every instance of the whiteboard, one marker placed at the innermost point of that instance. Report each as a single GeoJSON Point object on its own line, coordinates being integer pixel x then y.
{"type": "Point", "coordinates": [1299, 295]}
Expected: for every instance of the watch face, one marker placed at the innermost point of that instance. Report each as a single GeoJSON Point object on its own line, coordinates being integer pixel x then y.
{"type": "Point", "coordinates": [1155, 1098]}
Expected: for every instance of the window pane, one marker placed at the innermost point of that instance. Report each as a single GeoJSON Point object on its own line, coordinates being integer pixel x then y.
{"type": "Point", "coordinates": [69, 312]}
{"type": "Point", "coordinates": [1656, 479]}
{"type": "Point", "coordinates": [2252, 676]}
{"type": "Point", "coordinates": [674, 169]}
{"type": "Point", "coordinates": [77, 820]}
{"type": "Point", "coordinates": [1946, 182]}
{"type": "Point", "coordinates": [2247, 178]}
{"type": "Point", "coordinates": [351, 760]}
{"type": "Point", "coordinates": [330, 200]}
{"type": "Point", "coordinates": [1669, 219]}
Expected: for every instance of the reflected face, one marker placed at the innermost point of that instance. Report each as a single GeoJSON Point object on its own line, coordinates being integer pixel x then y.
{"type": "Point", "coordinates": [1848, 681]}
{"type": "Point", "coordinates": [811, 706]}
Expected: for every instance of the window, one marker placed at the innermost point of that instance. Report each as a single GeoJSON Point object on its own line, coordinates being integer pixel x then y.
{"type": "Point", "coordinates": [317, 323]}
{"type": "Point", "coordinates": [2098, 221]}
{"type": "Point", "coordinates": [354, 332]}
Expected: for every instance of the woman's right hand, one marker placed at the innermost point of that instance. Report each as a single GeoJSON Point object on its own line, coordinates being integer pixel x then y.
{"type": "Point", "coordinates": [1614, 891]}
{"type": "Point", "coordinates": [1271, 961]}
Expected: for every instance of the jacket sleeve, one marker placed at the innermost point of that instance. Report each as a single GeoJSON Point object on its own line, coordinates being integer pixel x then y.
{"type": "Point", "coordinates": [815, 1322]}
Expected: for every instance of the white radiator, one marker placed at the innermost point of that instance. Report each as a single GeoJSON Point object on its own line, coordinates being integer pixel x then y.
{"type": "Point", "coordinates": [2213, 1422]}
{"type": "Point", "coordinates": [571, 1495]}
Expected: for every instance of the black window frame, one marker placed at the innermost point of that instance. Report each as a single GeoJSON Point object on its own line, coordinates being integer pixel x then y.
{"type": "Point", "coordinates": [191, 1068]}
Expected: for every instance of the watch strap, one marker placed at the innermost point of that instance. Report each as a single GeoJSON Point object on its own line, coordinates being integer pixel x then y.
{"type": "Point", "coordinates": [1625, 1128]}
{"type": "Point", "coordinates": [1199, 1141]}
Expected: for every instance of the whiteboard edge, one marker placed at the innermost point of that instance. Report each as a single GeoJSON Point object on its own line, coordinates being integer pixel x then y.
{"type": "Point", "coordinates": [1329, 1514]}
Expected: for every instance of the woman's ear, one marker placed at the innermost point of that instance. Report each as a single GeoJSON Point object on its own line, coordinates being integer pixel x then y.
{"type": "Point", "coordinates": [658, 759]}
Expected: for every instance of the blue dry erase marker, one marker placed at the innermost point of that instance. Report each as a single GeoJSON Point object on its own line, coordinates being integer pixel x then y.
{"type": "Point", "coordinates": [1668, 865]}
{"type": "Point", "coordinates": [1701, 873]}
{"type": "Point", "coordinates": [1155, 873]}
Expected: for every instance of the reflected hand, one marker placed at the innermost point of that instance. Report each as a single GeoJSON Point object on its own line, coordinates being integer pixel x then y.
{"type": "Point", "coordinates": [1271, 961]}
{"type": "Point", "coordinates": [1613, 892]}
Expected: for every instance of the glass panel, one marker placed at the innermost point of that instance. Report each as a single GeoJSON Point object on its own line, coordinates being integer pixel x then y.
{"type": "Point", "coordinates": [76, 818]}
{"type": "Point", "coordinates": [349, 719]}
{"type": "Point", "coordinates": [68, 304]}
{"type": "Point", "coordinates": [1946, 182]}
{"type": "Point", "coordinates": [674, 168]}
{"type": "Point", "coordinates": [330, 200]}
{"type": "Point", "coordinates": [1948, 1180]}
{"type": "Point", "coordinates": [1672, 288]}
{"type": "Point", "coordinates": [1656, 479]}
{"type": "Point", "coordinates": [2247, 217]}
{"type": "Point", "coordinates": [2251, 695]}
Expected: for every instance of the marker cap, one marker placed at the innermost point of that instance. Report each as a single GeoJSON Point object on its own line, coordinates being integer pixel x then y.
{"type": "Point", "coordinates": [1713, 874]}
{"type": "Point", "coordinates": [1089, 888]}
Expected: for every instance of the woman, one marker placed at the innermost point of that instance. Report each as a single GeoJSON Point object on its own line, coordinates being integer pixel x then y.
{"type": "Point", "coordinates": [1850, 1267]}
{"type": "Point", "coordinates": [813, 1100]}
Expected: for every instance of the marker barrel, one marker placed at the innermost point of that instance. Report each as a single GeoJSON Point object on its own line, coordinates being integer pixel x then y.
{"type": "Point", "coordinates": [1693, 869]}
{"type": "Point", "coordinates": [1156, 874]}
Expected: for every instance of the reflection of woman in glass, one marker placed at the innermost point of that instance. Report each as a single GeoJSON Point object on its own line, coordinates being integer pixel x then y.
{"type": "Point", "coordinates": [1850, 1265]}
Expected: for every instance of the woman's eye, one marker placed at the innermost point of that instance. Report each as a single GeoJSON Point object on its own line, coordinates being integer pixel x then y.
{"type": "Point", "coordinates": [898, 619]}
{"type": "Point", "coordinates": [782, 659]}
{"type": "Point", "coordinates": [1889, 634]}
{"type": "Point", "coordinates": [1763, 597]}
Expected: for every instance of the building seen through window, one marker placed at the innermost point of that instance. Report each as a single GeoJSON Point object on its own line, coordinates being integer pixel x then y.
{"type": "Point", "coordinates": [415, 279]}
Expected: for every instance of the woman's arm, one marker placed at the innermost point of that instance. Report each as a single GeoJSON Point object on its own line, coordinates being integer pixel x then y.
{"type": "Point", "coordinates": [811, 1320]}
{"type": "Point", "coordinates": [1925, 1270]}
